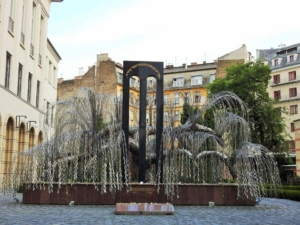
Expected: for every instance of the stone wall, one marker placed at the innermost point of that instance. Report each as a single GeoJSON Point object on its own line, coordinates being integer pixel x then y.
{"type": "Point", "coordinates": [223, 64]}
{"type": "Point", "coordinates": [104, 81]}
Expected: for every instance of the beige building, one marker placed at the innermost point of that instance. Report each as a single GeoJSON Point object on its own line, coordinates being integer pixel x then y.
{"type": "Point", "coordinates": [240, 55]}
{"type": "Point", "coordinates": [181, 83]}
{"type": "Point", "coordinates": [28, 74]}
{"type": "Point", "coordinates": [284, 86]}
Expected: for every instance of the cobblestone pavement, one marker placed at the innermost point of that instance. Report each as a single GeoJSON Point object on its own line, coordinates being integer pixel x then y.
{"type": "Point", "coordinates": [268, 211]}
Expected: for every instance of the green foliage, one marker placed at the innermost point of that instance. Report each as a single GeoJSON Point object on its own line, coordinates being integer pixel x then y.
{"type": "Point", "coordinates": [284, 194]}
{"type": "Point", "coordinates": [296, 181]}
{"type": "Point", "coordinates": [185, 113]}
{"type": "Point", "coordinates": [250, 81]}
{"type": "Point", "coordinates": [100, 121]}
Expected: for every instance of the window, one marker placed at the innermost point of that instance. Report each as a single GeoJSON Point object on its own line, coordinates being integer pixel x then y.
{"type": "Point", "coordinates": [294, 109]}
{"type": "Point", "coordinates": [166, 116]}
{"type": "Point", "coordinates": [291, 145]}
{"type": "Point", "coordinates": [166, 98]}
{"type": "Point", "coordinates": [120, 77]}
{"type": "Point", "coordinates": [7, 71]}
{"type": "Point", "coordinates": [132, 82]}
{"type": "Point", "coordinates": [176, 97]}
{"type": "Point", "coordinates": [50, 72]}
{"type": "Point", "coordinates": [197, 97]}
{"type": "Point", "coordinates": [186, 97]}
{"type": "Point", "coordinates": [176, 117]}
{"type": "Point", "coordinates": [29, 88]}
{"type": "Point", "coordinates": [32, 23]}
{"type": "Point", "coordinates": [41, 36]}
{"type": "Point", "coordinates": [212, 77]}
{"type": "Point", "coordinates": [292, 127]}
{"type": "Point", "coordinates": [196, 80]}
{"type": "Point", "coordinates": [54, 77]}
{"type": "Point", "coordinates": [277, 95]}
{"type": "Point", "coordinates": [23, 24]}
{"type": "Point", "coordinates": [178, 82]}
{"type": "Point", "coordinates": [47, 113]}
{"type": "Point", "coordinates": [291, 58]}
{"type": "Point", "coordinates": [275, 62]}
{"type": "Point", "coordinates": [37, 94]}
{"type": "Point", "coordinates": [19, 88]}
{"type": "Point", "coordinates": [276, 79]}
{"type": "Point", "coordinates": [10, 19]}
{"type": "Point", "coordinates": [292, 75]}
{"type": "Point", "coordinates": [52, 114]}
{"type": "Point", "coordinates": [293, 92]}
{"type": "Point", "coordinates": [278, 110]}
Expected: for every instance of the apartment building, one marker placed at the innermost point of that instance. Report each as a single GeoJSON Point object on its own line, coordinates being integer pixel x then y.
{"type": "Point", "coordinates": [185, 83]}
{"type": "Point", "coordinates": [284, 86]}
{"type": "Point", "coordinates": [28, 76]}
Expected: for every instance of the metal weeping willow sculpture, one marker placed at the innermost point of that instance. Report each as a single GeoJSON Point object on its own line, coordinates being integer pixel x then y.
{"type": "Point", "coordinates": [89, 146]}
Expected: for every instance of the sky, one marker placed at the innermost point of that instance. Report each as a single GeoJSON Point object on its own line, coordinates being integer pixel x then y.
{"type": "Point", "coordinates": [171, 31]}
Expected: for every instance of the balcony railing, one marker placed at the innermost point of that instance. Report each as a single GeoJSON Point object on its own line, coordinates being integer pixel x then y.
{"type": "Point", "coordinates": [31, 50]}
{"type": "Point", "coordinates": [22, 38]}
{"type": "Point", "coordinates": [11, 25]}
{"type": "Point", "coordinates": [286, 97]}
{"type": "Point", "coordinates": [40, 59]}
{"type": "Point", "coordinates": [284, 81]}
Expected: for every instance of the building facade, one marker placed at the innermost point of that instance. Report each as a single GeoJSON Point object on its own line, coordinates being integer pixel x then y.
{"type": "Point", "coordinates": [28, 74]}
{"type": "Point", "coordinates": [186, 83]}
{"type": "Point", "coordinates": [284, 87]}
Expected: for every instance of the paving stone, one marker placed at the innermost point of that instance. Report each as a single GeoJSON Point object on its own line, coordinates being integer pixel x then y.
{"type": "Point", "coordinates": [268, 211]}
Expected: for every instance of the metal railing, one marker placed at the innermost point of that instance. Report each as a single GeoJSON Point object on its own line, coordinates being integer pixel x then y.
{"type": "Point", "coordinates": [11, 25]}
{"type": "Point", "coordinates": [286, 97]}
{"type": "Point", "coordinates": [284, 81]}
{"type": "Point", "coordinates": [40, 59]}
{"type": "Point", "coordinates": [31, 50]}
{"type": "Point", "coordinates": [22, 38]}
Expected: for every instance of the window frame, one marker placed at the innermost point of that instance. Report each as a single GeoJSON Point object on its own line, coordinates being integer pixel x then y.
{"type": "Point", "coordinates": [276, 79]}
{"type": "Point", "coordinates": [198, 78]}
{"type": "Point", "coordinates": [29, 88]}
{"type": "Point", "coordinates": [293, 109]}
{"type": "Point", "coordinates": [292, 75]}
{"type": "Point", "coordinates": [293, 92]}
{"type": "Point", "coordinates": [178, 82]}
{"type": "Point", "coordinates": [7, 70]}
{"type": "Point", "coordinates": [19, 87]}
{"type": "Point", "coordinates": [277, 95]}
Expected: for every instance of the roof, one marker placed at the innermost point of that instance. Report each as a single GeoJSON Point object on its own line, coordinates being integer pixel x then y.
{"type": "Point", "coordinates": [54, 49]}
{"type": "Point", "coordinates": [206, 66]}
{"type": "Point", "coordinates": [273, 53]}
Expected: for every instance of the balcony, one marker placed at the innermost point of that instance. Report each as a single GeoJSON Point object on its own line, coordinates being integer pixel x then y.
{"type": "Point", "coordinates": [11, 25]}
{"type": "Point", "coordinates": [31, 50]}
{"type": "Point", "coordinates": [286, 98]}
{"type": "Point", "coordinates": [284, 81]}
{"type": "Point", "coordinates": [22, 39]}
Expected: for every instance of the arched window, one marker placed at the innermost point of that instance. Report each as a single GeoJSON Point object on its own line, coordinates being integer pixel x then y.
{"type": "Point", "coordinates": [21, 142]}
{"type": "Point", "coordinates": [31, 138]}
{"type": "Point", "coordinates": [40, 139]}
{"type": "Point", "coordinates": [9, 138]}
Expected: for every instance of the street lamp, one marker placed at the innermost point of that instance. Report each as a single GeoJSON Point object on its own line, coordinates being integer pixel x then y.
{"type": "Point", "coordinates": [18, 121]}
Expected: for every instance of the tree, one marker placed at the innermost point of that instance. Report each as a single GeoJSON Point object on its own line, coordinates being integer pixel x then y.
{"type": "Point", "coordinates": [250, 81]}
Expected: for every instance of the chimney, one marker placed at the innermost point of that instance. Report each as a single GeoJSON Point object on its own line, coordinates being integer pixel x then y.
{"type": "Point", "coordinates": [194, 64]}
{"type": "Point", "coordinates": [169, 66]}
{"type": "Point", "coordinates": [204, 62]}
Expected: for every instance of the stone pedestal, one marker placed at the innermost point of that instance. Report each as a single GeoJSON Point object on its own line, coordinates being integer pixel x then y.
{"type": "Point", "coordinates": [144, 208]}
